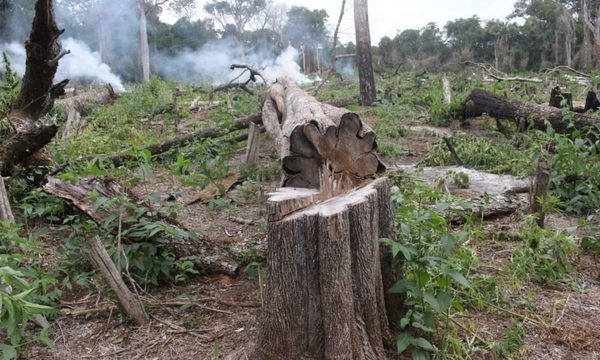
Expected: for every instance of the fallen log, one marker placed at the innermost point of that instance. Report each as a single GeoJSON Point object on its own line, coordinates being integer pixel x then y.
{"type": "Point", "coordinates": [325, 293]}
{"type": "Point", "coordinates": [482, 102]}
{"type": "Point", "coordinates": [488, 195]}
{"type": "Point", "coordinates": [37, 93]}
{"type": "Point", "coordinates": [92, 196]}
{"type": "Point", "coordinates": [310, 135]}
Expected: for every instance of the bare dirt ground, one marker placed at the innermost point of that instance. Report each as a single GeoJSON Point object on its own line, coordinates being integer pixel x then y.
{"type": "Point", "coordinates": [210, 316]}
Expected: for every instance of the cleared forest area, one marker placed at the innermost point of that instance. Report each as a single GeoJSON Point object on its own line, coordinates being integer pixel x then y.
{"type": "Point", "coordinates": [448, 213]}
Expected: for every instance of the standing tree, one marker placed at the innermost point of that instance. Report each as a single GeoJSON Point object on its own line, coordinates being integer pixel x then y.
{"type": "Point", "coordinates": [238, 13]}
{"type": "Point", "coordinates": [146, 7]}
{"type": "Point", "coordinates": [364, 58]}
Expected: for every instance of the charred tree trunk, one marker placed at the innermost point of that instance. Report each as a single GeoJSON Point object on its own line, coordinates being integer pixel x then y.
{"type": "Point", "coordinates": [325, 297]}
{"type": "Point", "coordinates": [481, 101]}
{"type": "Point", "coordinates": [210, 258]}
{"type": "Point", "coordinates": [557, 96]}
{"type": "Point", "coordinates": [364, 58]}
{"type": "Point", "coordinates": [313, 134]}
{"type": "Point", "coordinates": [37, 93]}
{"type": "Point", "coordinates": [591, 102]}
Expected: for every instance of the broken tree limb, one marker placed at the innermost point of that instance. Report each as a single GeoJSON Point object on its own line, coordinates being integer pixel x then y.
{"type": "Point", "coordinates": [453, 152]}
{"type": "Point", "coordinates": [482, 102]}
{"type": "Point", "coordinates": [253, 143]}
{"type": "Point", "coordinates": [37, 93]}
{"type": "Point", "coordinates": [311, 135]}
{"type": "Point", "coordinates": [325, 297]}
{"type": "Point", "coordinates": [498, 75]}
{"type": "Point", "coordinates": [87, 193]}
{"type": "Point", "coordinates": [129, 302]}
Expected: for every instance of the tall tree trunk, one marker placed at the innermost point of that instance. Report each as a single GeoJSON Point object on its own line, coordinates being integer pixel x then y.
{"type": "Point", "coordinates": [586, 60]}
{"type": "Point", "coordinates": [569, 49]}
{"type": "Point", "coordinates": [364, 58]}
{"type": "Point", "coordinates": [144, 48]}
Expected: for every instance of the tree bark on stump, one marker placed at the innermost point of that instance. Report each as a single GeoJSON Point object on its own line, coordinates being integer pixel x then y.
{"type": "Point", "coordinates": [481, 101]}
{"type": "Point", "coordinates": [325, 293]}
{"type": "Point", "coordinates": [37, 93]}
{"type": "Point", "coordinates": [313, 134]}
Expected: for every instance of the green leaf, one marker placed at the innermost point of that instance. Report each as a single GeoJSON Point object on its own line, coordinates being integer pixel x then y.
{"type": "Point", "coordinates": [432, 301]}
{"type": "Point", "coordinates": [444, 300]}
{"type": "Point", "coordinates": [423, 344]}
{"type": "Point", "coordinates": [420, 355]}
{"type": "Point", "coordinates": [459, 278]}
{"type": "Point", "coordinates": [8, 352]}
{"type": "Point", "coordinates": [402, 286]}
{"type": "Point", "coordinates": [402, 342]}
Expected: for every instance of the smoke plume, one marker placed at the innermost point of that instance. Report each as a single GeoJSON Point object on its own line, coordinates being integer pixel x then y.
{"type": "Point", "coordinates": [81, 64]}
{"type": "Point", "coordinates": [211, 63]}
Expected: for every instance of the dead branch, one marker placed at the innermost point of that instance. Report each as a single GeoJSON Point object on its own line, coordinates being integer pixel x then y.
{"type": "Point", "coordinates": [498, 75]}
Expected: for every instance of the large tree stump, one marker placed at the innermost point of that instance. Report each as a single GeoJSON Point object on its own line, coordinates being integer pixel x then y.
{"type": "Point", "coordinates": [324, 290]}
{"type": "Point", "coordinates": [481, 101]}
{"type": "Point", "coordinates": [313, 134]}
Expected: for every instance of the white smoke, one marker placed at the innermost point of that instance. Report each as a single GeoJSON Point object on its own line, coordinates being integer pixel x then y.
{"type": "Point", "coordinates": [81, 63]}
{"type": "Point", "coordinates": [211, 63]}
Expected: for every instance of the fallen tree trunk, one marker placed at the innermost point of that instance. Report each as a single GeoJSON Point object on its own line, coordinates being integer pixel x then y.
{"type": "Point", "coordinates": [325, 294]}
{"type": "Point", "coordinates": [311, 134]}
{"type": "Point", "coordinates": [489, 195]}
{"type": "Point", "coordinates": [37, 93]}
{"type": "Point", "coordinates": [88, 193]}
{"type": "Point", "coordinates": [482, 102]}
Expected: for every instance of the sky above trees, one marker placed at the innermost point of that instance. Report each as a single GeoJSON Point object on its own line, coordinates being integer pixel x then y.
{"type": "Point", "coordinates": [389, 16]}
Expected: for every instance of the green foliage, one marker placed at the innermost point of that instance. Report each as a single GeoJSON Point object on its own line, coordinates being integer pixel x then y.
{"type": "Point", "coordinates": [545, 255]}
{"type": "Point", "coordinates": [495, 156]}
{"type": "Point", "coordinates": [9, 87]}
{"type": "Point", "coordinates": [434, 265]}
{"type": "Point", "coordinates": [25, 290]}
